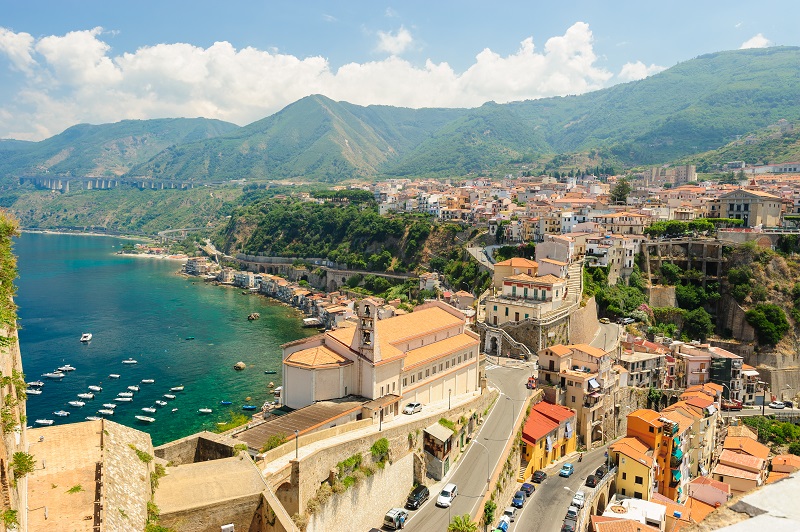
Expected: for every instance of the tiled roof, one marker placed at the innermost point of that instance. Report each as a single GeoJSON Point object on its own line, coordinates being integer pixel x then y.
{"type": "Point", "coordinates": [588, 349]}
{"type": "Point", "coordinates": [789, 460]}
{"type": "Point", "coordinates": [520, 277]}
{"type": "Point", "coordinates": [437, 349]}
{"type": "Point", "coordinates": [537, 427]}
{"type": "Point", "coordinates": [699, 509]}
{"type": "Point", "coordinates": [747, 446]}
{"type": "Point", "coordinates": [556, 262]}
{"type": "Point", "coordinates": [728, 471]}
{"type": "Point", "coordinates": [775, 476]}
{"type": "Point", "coordinates": [684, 423]}
{"type": "Point", "coordinates": [557, 413]}
{"type": "Point", "coordinates": [708, 481]}
{"type": "Point", "coordinates": [646, 415]}
{"type": "Point", "coordinates": [316, 357]}
{"type": "Point", "coordinates": [518, 262]}
{"type": "Point", "coordinates": [560, 350]}
{"type": "Point", "coordinates": [620, 525]}
{"type": "Point", "coordinates": [633, 449]}
{"type": "Point", "coordinates": [735, 459]}
{"type": "Point", "coordinates": [549, 279]}
{"type": "Point", "coordinates": [742, 430]}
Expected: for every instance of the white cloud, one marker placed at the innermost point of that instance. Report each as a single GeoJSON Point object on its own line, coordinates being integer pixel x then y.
{"type": "Point", "coordinates": [329, 18]}
{"type": "Point", "coordinates": [757, 41]}
{"type": "Point", "coordinates": [394, 43]}
{"type": "Point", "coordinates": [638, 70]}
{"type": "Point", "coordinates": [737, 25]}
{"type": "Point", "coordinates": [390, 13]}
{"type": "Point", "coordinates": [75, 78]}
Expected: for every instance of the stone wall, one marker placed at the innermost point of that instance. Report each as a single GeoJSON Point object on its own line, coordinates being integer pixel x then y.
{"type": "Point", "coordinates": [126, 478]}
{"type": "Point", "coordinates": [363, 506]}
{"type": "Point", "coordinates": [731, 321]}
{"type": "Point", "coordinates": [662, 296]}
{"type": "Point", "coordinates": [538, 337]}
{"type": "Point", "coordinates": [583, 324]}
{"type": "Point", "coordinates": [14, 494]}
{"type": "Point", "coordinates": [242, 512]}
{"type": "Point", "coordinates": [198, 447]}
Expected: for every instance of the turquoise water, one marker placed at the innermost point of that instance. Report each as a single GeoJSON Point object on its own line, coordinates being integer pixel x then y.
{"type": "Point", "coordinates": [138, 307]}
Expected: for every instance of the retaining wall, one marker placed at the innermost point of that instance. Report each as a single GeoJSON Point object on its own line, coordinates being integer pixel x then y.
{"type": "Point", "coordinates": [198, 447]}
{"type": "Point", "coordinates": [583, 324]}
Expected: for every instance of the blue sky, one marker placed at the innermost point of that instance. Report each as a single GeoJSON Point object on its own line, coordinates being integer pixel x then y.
{"type": "Point", "coordinates": [66, 62]}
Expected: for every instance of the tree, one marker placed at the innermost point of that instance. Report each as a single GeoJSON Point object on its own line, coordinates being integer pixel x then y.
{"type": "Point", "coordinates": [769, 321]}
{"type": "Point", "coordinates": [794, 448]}
{"type": "Point", "coordinates": [670, 273]}
{"type": "Point", "coordinates": [462, 523]}
{"type": "Point", "coordinates": [698, 324]}
{"type": "Point", "coordinates": [619, 194]}
{"type": "Point", "coordinates": [489, 509]}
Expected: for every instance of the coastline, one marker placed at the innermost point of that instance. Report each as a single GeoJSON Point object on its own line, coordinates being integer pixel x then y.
{"type": "Point", "coordinates": [86, 233]}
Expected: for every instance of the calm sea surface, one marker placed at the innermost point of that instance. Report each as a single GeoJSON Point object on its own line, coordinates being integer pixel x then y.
{"type": "Point", "coordinates": [139, 308]}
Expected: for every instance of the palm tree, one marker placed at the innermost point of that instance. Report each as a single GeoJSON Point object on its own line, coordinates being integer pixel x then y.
{"type": "Point", "coordinates": [462, 523]}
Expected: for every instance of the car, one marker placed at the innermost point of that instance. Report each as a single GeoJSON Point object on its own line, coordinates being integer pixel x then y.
{"type": "Point", "coordinates": [569, 525]}
{"type": "Point", "coordinates": [538, 476]}
{"type": "Point", "coordinates": [502, 526]}
{"type": "Point", "coordinates": [445, 498]}
{"type": "Point", "coordinates": [777, 405]}
{"type": "Point", "coordinates": [566, 470]}
{"type": "Point", "coordinates": [592, 481]}
{"type": "Point", "coordinates": [605, 320]}
{"type": "Point", "coordinates": [601, 472]}
{"type": "Point", "coordinates": [395, 518]}
{"type": "Point", "coordinates": [528, 488]}
{"type": "Point", "coordinates": [788, 404]}
{"type": "Point", "coordinates": [510, 513]}
{"type": "Point", "coordinates": [417, 497]}
{"type": "Point", "coordinates": [626, 321]}
{"type": "Point", "coordinates": [579, 499]}
{"type": "Point", "coordinates": [519, 499]}
{"type": "Point", "coordinates": [572, 512]}
{"type": "Point", "coordinates": [412, 408]}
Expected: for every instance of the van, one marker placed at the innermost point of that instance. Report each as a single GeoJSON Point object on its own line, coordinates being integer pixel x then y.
{"type": "Point", "coordinates": [395, 518]}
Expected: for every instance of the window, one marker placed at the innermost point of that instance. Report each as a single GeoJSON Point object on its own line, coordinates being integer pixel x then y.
{"type": "Point", "coordinates": [419, 376]}
{"type": "Point", "coordinates": [381, 391]}
{"type": "Point", "coordinates": [623, 491]}
{"type": "Point", "coordinates": [506, 311]}
{"type": "Point", "coordinates": [652, 429]}
{"type": "Point", "coordinates": [412, 379]}
{"type": "Point", "coordinates": [624, 476]}
{"type": "Point", "coordinates": [427, 373]}
{"type": "Point", "coordinates": [405, 382]}
{"type": "Point", "coordinates": [393, 387]}
{"type": "Point", "coordinates": [441, 366]}
{"type": "Point", "coordinates": [447, 365]}
{"type": "Point", "coordinates": [495, 308]}
{"type": "Point", "coordinates": [573, 398]}
{"type": "Point", "coordinates": [638, 480]}
{"type": "Point", "coordinates": [434, 370]}
{"type": "Point", "coordinates": [637, 494]}
{"type": "Point", "coordinates": [459, 359]}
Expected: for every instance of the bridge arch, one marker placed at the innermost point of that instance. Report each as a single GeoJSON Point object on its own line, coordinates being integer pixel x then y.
{"type": "Point", "coordinates": [601, 504]}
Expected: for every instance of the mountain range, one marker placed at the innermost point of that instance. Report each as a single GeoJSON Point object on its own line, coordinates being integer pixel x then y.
{"type": "Point", "coordinates": [695, 106]}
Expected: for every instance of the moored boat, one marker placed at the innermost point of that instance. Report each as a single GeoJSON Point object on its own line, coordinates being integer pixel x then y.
{"type": "Point", "coordinates": [33, 391]}
{"type": "Point", "coordinates": [76, 403]}
{"type": "Point", "coordinates": [36, 384]}
{"type": "Point", "coordinates": [86, 337]}
{"type": "Point", "coordinates": [249, 407]}
{"type": "Point", "coordinates": [106, 412]}
{"type": "Point", "coordinates": [53, 375]}
{"type": "Point", "coordinates": [93, 418]}
{"type": "Point", "coordinates": [270, 372]}
{"type": "Point", "coordinates": [111, 406]}
{"type": "Point", "coordinates": [95, 388]}
{"type": "Point", "coordinates": [204, 411]}
{"type": "Point", "coordinates": [133, 388]}
{"type": "Point", "coordinates": [61, 413]}
{"type": "Point", "coordinates": [176, 388]}
{"type": "Point", "coordinates": [161, 403]}
{"type": "Point", "coordinates": [174, 409]}
{"type": "Point", "coordinates": [145, 419]}
{"type": "Point", "coordinates": [130, 361]}
{"type": "Point", "coordinates": [148, 381]}
{"type": "Point", "coordinates": [66, 367]}
{"type": "Point", "coordinates": [113, 376]}
{"type": "Point", "coordinates": [44, 422]}
{"type": "Point", "coordinates": [125, 394]}
{"type": "Point", "coordinates": [226, 402]}
{"type": "Point", "coordinates": [86, 395]}
{"type": "Point", "coordinates": [277, 391]}
{"type": "Point", "coordinates": [149, 409]}
{"type": "Point", "coordinates": [123, 399]}
{"type": "Point", "coordinates": [169, 396]}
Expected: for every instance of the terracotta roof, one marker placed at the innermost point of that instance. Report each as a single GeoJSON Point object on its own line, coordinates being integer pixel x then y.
{"type": "Point", "coordinates": [742, 430]}
{"type": "Point", "coordinates": [621, 525]}
{"type": "Point", "coordinates": [789, 460]}
{"type": "Point", "coordinates": [537, 427]}
{"type": "Point", "coordinates": [549, 279]}
{"type": "Point", "coordinates": [520, 277]}
{"type": "Point", "coordinates": [560, 350]}
{"type": "Point", "coordinates": [699, 509]}
{"type": "Point", "coordinates": [316, 357]}
{"type": "Point", "coordinates": [684, 422]}
{"type": "Point", "coordinates": [747, 446]}
{"type": "Point", "coordinates": [438, 349]}
{"type": "Point", "coordinates": [708, 481]}
{"type": "Point", "coordinates": [700, 402]}
{"type": "Point", "coordinates": [735, 459]}
{"type": "Point", "coordinates": [556, 262]}
{"type": "Point", "coordinates": [557, 413]}
{"type": "Point", "coordinates": [634, 451]}
{"type": "Point", "coordinates": [775, 476]}
{"type": "Point", "coordinates": [588, 349]}
{"type": "Point", "coordinates": [672, 507]}
{"type": "Point", "coordinates": [646, 415]}
{"type": "Point", "coordinates": [518, 262]}
{"type": "Point", "coordinates": [728, 471]}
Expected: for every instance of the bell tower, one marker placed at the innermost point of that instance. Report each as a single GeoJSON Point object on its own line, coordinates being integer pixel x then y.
{"type": "Point", "coordinates": [365, 340]}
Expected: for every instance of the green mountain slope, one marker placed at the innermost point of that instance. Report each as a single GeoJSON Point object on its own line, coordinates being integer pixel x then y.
{"type": "Point", "coordinates": [765, 146]}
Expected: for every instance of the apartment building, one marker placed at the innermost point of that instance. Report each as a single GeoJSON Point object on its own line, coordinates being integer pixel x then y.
{"type": "Point", "coordinates": [753, 207]}
{"type": "Point", "coordinates": [547, 436]}
{"type": "Point", "coordinates": [524, 297]}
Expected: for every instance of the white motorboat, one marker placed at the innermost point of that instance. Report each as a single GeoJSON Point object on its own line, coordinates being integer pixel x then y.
{"type": "Point", "coordinates": [112, 406]}
{"type": "Point", "coordinates": [36, 384]}
{"type": "Point", "coordinates": [149, 409]}
{"type": "Point", "coordinates": [145, 419]}
{"type": "Point", "coordinates": [174, 409]}
{"type": "Point", "coordinates": [86, 337]}
{"type": "Point", "coordinates": [113, 376]}
{"type": "Point", "coordinates": [169, 396]}
{"type": "Point", "coordinates": [123, 399]}
{"type": "Point", "coordinates": [176, 388]}
{"type": "Point", "coordinates": [125, 394]}
{"type": "Point", "coordinates": [133, 388]}
{"type": "Point", "coordinates": [95, 388]}
{"type": "Point", "coordinates": [61, 413]}
{"type": "Point", "coordinates": [66, 367]}
{"type": "Point", "coordinates": [148, 381]}
{"type": "Point", "coordinates": [86, 395]}
{"type": "Point", "coordinates": [76, 403]}
{"type": "Point", "coordinates": [93, 418]}
{"type": "Point", "coordinates": [33, 391]}
{"type": "Point", "coordinates": [204, 411]}
{"type": "Point", "coordinates": [53, 375]}
{"type": "Point", "coordinates": [44, 422]}
{"type": "Point", "coordinates": [106, 412]}
{"type": "Point", "coordinates": [161, 403]}
{"type": "Point", "coordinates": [130, 361]}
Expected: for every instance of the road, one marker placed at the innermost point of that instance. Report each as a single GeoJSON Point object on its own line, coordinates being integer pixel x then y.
{"type": "Point", "coordinates": [480, 255]}
{"type": "Point", "coordinates": [606, 337]}
{"type": "Point", "coordinates": [469, 474]}
{"type": "Point", "coordinates": [545, 510]}
{"type": "Point", "coordinates": [748, 412]}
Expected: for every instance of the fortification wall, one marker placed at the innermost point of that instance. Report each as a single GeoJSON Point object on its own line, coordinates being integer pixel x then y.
{"type": "Point", "coordinates": [583, 324]}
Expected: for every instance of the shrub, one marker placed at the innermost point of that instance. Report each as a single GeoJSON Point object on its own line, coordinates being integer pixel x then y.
{"type": "Point", "coordinates": [794, 448]}
{"type": "Point", "coordinates": [380, 449]}
{"type": "Point", "coordinates": [276, 440]}
{"type": "Point", "coordinates": [448, 424]}
{"type": "Point", "coordinates": [698, 324]}
{"type": "Point", "coordinates": [670, 273]}
{"type": "Point", "coordinates": [769, 321]}
{"type": "Point", "coordinates": [22, 464]}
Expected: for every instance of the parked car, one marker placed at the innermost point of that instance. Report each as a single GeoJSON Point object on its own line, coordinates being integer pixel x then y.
{"type": "Point", "coordinates": [395, 518]}
{"type": "Point", "coordinates": [503, 525]}
{"type": "Point", "coordinates": [592, 481]}
{"type": "Point", "coordinates": [445, 498]}
{"type": "Point", "coordinates": [519, 499]}
{"type": "Point", "coordinates": [528, 488]}
{"type": "Point", "coordinates": [538, 476]}
{"type": "Point", "coordinates": [572, 512]}
{"type": "Point", "coordinates": [605, 320]}
{"type": "Point", "coordinates": [412, 408]}
{"type": "Point", "coordinates": [511, 513]}
{"type": "Point", "coordinates": [579, 499]}
{"type": "Point", "coordinates": [601, 472]}
{"type": "Point", "coordinates": [777, 405]}
{"type": "Point", "coordinates": [566, 470]}
{"type": "Point", "coordinates": [417, 497]}
{"type": "Point", "coordinates": [569, 525]}
{"type": "Point", "coordinates": [788, 404]}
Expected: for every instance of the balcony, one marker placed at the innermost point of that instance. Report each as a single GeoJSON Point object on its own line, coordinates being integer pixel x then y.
{"type": "Point", "coordinates": [699, 371]}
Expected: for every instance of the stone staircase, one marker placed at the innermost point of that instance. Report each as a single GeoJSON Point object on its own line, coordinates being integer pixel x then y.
{"type": "Point", "coordinates": [575, 281]}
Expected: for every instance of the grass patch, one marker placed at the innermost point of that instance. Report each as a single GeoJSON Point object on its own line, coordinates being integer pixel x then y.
{"type": "Point", "coordinates": [448, 424]}
{"type": "Point", "coordinates": [237, 420]}
{"type": "Point", "coordinates": [77, 488]}
{"type": "Point", "coordinates": [143, 456]}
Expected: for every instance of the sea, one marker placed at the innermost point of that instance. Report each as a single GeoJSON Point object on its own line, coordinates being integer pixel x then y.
{"type": "Point", "coordinates": [181, 331]}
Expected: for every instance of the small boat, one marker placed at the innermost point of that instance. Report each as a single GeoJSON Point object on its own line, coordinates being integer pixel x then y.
{"type": "Point", "coordinates": [111, 406]}
{"type": "Point", "coordinates": [61, 413]}
{"type": "Point", "coordinates": [133, 388]}
{"type": "Point", "coordinates": [93, 418]}
{"type": "Point", "coordinates": [66, 367]}
{"type": "Point", "coordinates": [190, 337]}
{"type": "Point", "coordinates": [226, 402]}
{"type": "Point", "coordinates": [95, 388]}
{"type": "Point", "coordinates": [47, 422]}
{"type": "Point", "coordinates": [86, 395]}
{"type": "Point", "coordinates": [113, 376]}
{"type": "Point", "coordinates": [53, 375]}
{"type": "Point", "coordinates": [204, 411]}
{"type": "Point", "coordinates": [161, 403]}
{"type": "Point", "coordinates": [148, 381]}
{"type": "Point", "coordinates": [86, 337]}
{"type": "Point", "coordinates": [76, 403]}
{"type": "Point", "coordinates": [277, 391]}
{"type": "Point", "coordinates": [36, 384]}
{"type": "Point", "coordinates": [149, 409]}
{"type": "Point", "coordinates": [33, 391]}
{"type": "Point", "coordinates": [145, 419]}
{"type": "Point", "coordinates": [249, 407]}
{"type": "Point", "coordinates": [106, 412]}
{"type": "Point", "coordinates": [176, 388]}
{"type": "Point", "coordinates": [123, 399]}
{"type": "Point", "coordinates": [174, 409]}
{"type": "Point", "coordinates": [130, 361]}
{"type": "Point", "coordinates": [270, 372]}
{"type": "Point", "coordinates": [125, 394]}
{"type": "Point", "coordinates": [169, 396]}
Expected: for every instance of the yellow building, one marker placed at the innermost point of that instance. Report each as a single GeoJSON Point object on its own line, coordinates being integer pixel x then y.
{"type": "Point", "coordinates": [636, 467]}
{"type": "Point", "coordinates": [513, 266]}
{"type": "Point", "coordinates": [548, 435]}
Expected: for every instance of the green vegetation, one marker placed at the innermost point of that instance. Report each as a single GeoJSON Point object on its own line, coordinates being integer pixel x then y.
{"type": "Point", "coordinates": [8, 273]}
{"type": "Point", "coordinates": [769, 322]}
{"type": "Point", "coordinates": [239, 447]}
{"type": "Point", "coordinates": [9, 518]}
{"type": "Point", "coordinates": [462, 523]}
{"type": "Point", "coordinates": [698, 324]}
{"type": "Point", "coordinates": [794, 448]}
{"type": "Point", "coordinates": [620, 191]}
{"type": "Point", "coordinates": [380, 450]}
{"type": "Point", "coordinates": [155, 477]}
{"type": "Point", "coordinates": [143, 456]}
{"type": "Point", "coordinates": [77, 488]}
{"type": "Point", "coordinates": [527, 251]}
{"type": "Point", "coordinates": [276, 440]}
{"type": "Point", "coordinates": [772, 431]}
{"type": "Point", "coordinates": [22, 463]}
{"type": "Point", "coordinates": [447, 424]}
{"type": "Point", "coordinates": [237, 420]}
{"type": "Point", "coordinates": [676, 228]}
{"type": "Point", "coordinates": [489, 509]}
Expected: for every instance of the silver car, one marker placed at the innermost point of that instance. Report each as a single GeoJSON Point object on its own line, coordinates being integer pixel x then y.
{"type": "Point", "coordinates": [412, 408]}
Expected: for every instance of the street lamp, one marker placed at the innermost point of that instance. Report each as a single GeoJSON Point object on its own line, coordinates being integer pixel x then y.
{"type": "Point", "coordinates": [764, 400]}
{"type": "Point", "coordinates": [513, 415]}
{"type": "Point", "coordinates": [488, 465]}
{"type": "Point", "coordinates": [449, 392]}
{"type": "Point", "coordinates": [296, 445]}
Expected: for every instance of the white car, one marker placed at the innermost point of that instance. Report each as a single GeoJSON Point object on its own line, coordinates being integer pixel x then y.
{"type": "Point", "coordinates": [445, 498]}
{"type": "Point", "coordinates": [579, 499]}
{"type": "Point", "coordinates": [777, 405]}
{"type": "Point", "coordinates": [412, 408]}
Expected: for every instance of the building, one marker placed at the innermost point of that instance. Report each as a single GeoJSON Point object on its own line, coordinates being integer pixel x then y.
{"type": "Point", "coordinates": [754, 207]}
{"type": "Point", "coordinates": [197, 266]}
{"type": "Point", "coordinates": [623, 223]}
{"type": "Point", "coordinates": [524, 297]}
{"type": "Point", "coordinates": [548, 435]}
{"type": "Point", "coordinates": [423, 356]}
{"type": "Point", "coordinates": [645, 369]}
{"type": "Point", "coordinates": [636, 466]}
{"type": "Point", "coordinates": [513, 266]}
{"type": "Point", "coordinates": [703, 433]}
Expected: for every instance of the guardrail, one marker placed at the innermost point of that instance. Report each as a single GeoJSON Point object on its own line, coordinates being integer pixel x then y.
{"type": "Point", "coordinates": [585, 514]}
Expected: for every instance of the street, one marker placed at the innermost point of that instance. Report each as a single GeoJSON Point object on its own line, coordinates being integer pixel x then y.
{"type": "Point", "coordinates": [469, 474]}
{"type": "Point", "coordinates": [606, 336]}
{"type": "Point", "coordinates": [545, 510]}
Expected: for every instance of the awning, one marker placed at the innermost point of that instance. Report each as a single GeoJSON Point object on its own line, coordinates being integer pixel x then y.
{"type": "Point", "coordinates": [568, 428]}
{"type": "Point", "coordinates": [595, 395]}
{"type": "Point", "coordinates": [439, 432]}
{"type": "Point", "coordinates": [549, 444]}
{"type": "Point", "coordinates": [677, 453]}
{"type": "Point", "coordinates": [676, 475]}
{"type": "Point", "coordinates": [750, 373]}
{"type": "Point", "coordinates": [703, 471]}
{"type": "Point", "coordinates": [676, 442]}
{"type": "Point", "coordinates": [593, 383]}
{"type": "Point", "coordinates": [711, 409]}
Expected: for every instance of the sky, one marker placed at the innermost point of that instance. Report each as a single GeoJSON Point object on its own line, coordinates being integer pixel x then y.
{"type": "Point", "coordinates": [64, 62]}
